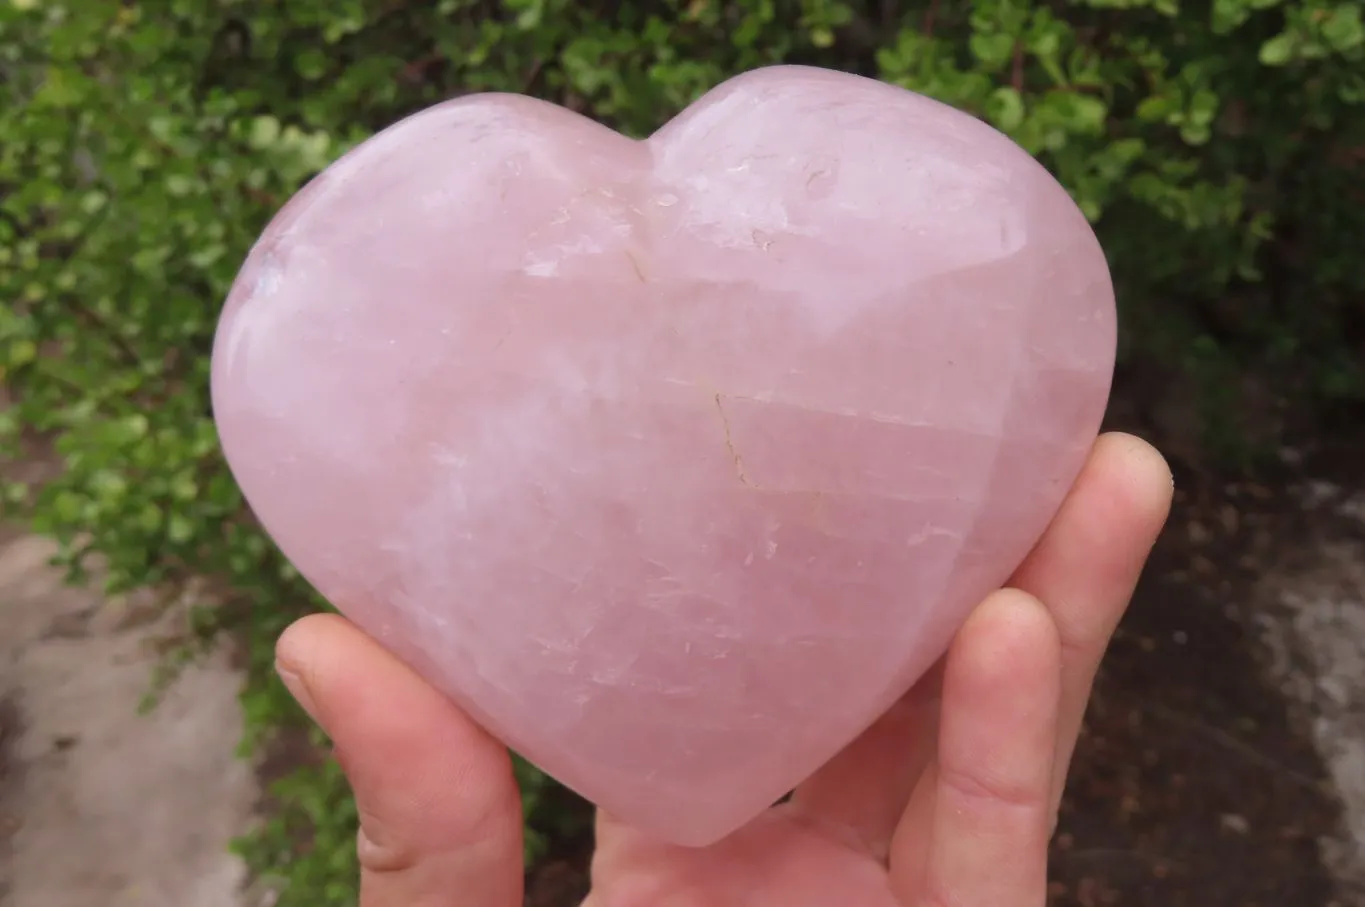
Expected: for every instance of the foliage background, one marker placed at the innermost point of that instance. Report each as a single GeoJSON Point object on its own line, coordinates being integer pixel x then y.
{"type": "Point", "coordinates": [1218, 146]}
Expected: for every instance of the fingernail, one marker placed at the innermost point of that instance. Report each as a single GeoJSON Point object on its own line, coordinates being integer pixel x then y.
{"type": "Point", "coordinates": [293, 681]}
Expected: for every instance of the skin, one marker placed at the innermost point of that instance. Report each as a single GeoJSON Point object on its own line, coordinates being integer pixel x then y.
{"type": "Point", "coordinates": [948, 801]}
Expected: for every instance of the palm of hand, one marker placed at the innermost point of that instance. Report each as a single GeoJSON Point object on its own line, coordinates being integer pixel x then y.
{"type": "Point", "coordinates": [780, 859]}
{"type": "Point", "coordinates": [949, 799]}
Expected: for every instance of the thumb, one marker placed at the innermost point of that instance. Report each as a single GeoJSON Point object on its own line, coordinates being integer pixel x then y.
{"type": "Point", "coordinates": [439, 809]}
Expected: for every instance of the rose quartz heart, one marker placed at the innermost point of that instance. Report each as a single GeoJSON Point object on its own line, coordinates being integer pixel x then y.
{"type": "Point", "coordinates": [674, 462]}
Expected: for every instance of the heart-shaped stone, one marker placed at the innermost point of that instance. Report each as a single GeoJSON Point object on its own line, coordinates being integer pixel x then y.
{"type": "Point", "coordinates": [673, 462]}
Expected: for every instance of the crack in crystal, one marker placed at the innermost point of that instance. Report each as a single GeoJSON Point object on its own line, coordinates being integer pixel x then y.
{"type": "Point", "coordinates": [636, 266]}
{"type": "Point", "coordinates": [730, 446]}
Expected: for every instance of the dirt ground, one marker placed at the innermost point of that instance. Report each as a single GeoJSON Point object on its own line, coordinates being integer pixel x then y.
{"type": "Point", "coordinates": [1223, 764]}
{"type": "Point", "coordinates": [1211, 771]}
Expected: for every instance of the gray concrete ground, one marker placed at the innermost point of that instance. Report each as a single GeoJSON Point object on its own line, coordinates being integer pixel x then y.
{"type": "Point", "coordinates": [101, 806]}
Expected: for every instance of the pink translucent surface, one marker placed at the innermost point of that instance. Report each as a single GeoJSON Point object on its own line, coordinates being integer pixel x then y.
{"type": "Point", "coordinates": [674, 462]}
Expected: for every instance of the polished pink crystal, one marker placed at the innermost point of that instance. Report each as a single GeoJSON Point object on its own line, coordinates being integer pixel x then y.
{"type": "Point", "coordinates": [674, 462]}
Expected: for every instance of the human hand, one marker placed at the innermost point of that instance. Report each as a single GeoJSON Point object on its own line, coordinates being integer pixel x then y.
{"type": "Point", "coordinates": [950, 799]}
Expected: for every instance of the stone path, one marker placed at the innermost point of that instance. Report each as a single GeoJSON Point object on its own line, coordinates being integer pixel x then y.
{"type": "Point", "coordinates": [101, 806]}
{"type": "Point", "coordinates": [1311, 622]}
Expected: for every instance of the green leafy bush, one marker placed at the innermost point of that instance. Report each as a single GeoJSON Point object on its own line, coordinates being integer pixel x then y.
{"type": "Point", "coordinates": [143, 145]}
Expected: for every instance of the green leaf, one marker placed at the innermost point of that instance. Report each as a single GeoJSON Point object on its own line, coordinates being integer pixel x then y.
{"type": "Point", "coordinates": [310, 63]}
{"type": "Point", "coordinates": [993, 49]}
{"type": "Point", "coordinates": [265, 131]}
{"type": "Point", "coordinates": [1279, 50]}
{"type": "Point", "coordinates": [1344, 29]}
{"type": "Point", "coordinates": [1006, 109]}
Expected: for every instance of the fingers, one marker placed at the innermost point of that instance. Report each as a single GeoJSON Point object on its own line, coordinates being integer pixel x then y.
{"type": "Point", "coordinates": [1087, 564]}
{"type": "Point", "coordinates": [976, 831]}
{"type": "Point", "coordinates": [440, 815]}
